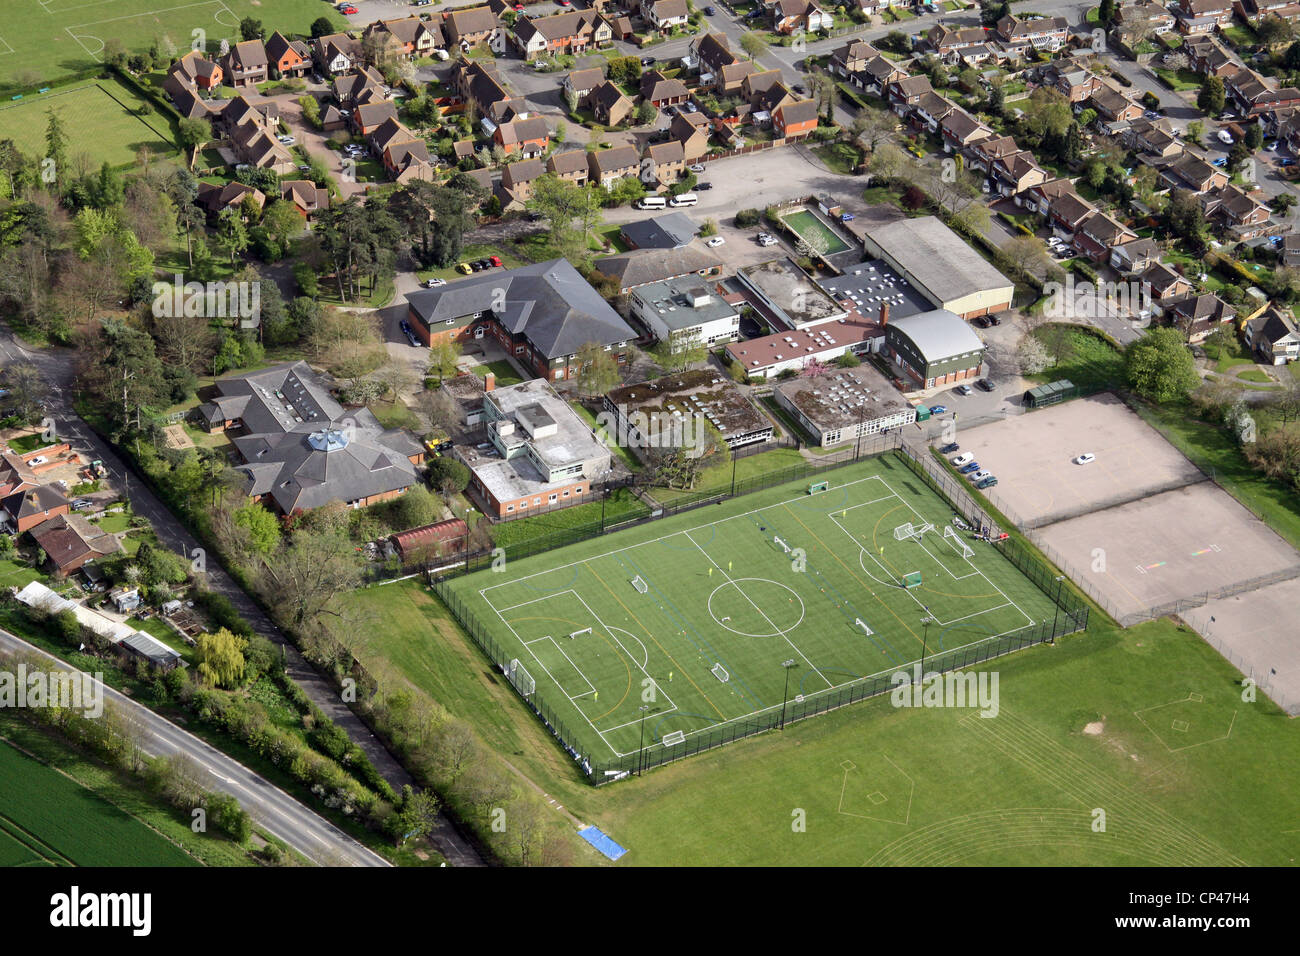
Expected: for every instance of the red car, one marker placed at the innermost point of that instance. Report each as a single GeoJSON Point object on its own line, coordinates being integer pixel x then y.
{"type": "Point", "coordinates": [348, 10]}
{"type": "Point", "coordinates": [519, 8]}
{"type": "Point", "coordinates": [495, 260]}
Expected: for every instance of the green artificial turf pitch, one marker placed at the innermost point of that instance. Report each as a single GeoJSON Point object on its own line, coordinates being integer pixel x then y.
{"type": "Point", "coordinates": [725, 598]}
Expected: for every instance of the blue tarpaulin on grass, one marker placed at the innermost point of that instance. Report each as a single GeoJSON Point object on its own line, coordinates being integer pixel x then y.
{"type": "Point", "coordinates": [601, 842]}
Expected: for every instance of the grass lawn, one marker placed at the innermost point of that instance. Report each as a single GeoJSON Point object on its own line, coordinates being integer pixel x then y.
{"type": "Point", "coordinates": [49, 819]}
{"type": "Point", "coordinates": [721, 603]}
{"type": "Point", "coordinates": [163, 631]}
{"type": "Point", "coordinates": [815, 232]}
{"type": "Point", "coordinates": [1213, 450]}
{"type": "Point", "coordinates": [502, 369]}
{"type": "Point", "coordinates": [1089, 361]}
{"type": "Point", "coordinates": [25, 443]}
{"type": "Point", "coordinates": [839, 158]}
{"type": "Point", "coordinates": [522, 530]}
{"type": "Point", "coordinates": [1254, 375]}
{"type": "Point", "coordinates": [875, 779]}
{"type": "Point", "coordinates": [18, 574]}
{"type": "Point", "coordinates": [102, 118]}
{"type": "Point", "coordinates": [623, 454]}
{"type": "Point", "coordinates": [395, 415]}
{"type": "Point", "coordinates": [718, 478]}
{"type": "Point", "coordinates": [113, 523]}
{"type": "Point", "coordinates": [375, 298]}
{"type": "Point", "coordinates": [1178, 80]}
{"type": "Point", "coordinates": [1229, 358]}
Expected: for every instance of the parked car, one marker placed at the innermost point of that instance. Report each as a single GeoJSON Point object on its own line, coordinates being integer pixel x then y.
{"type": "Point", "coordinates": [286, 140]}
{"type": "Point", "coordinates": [1286, 162]}
{"type": "Point", "coordinates": [994, 320]}
{"type": "Point", "coordinates": [704, 185]}
{"type": "Point", "coordinates": [715, 242]}
{"type": "Point", "coordinates": [766, 240]}
{"type": "Point", "coordinates": [409, 332]}
{"type": "Point", "coordinates": [984, 385]}
{"type": "Point", "coordinates": [963, 389]}
{"type": "Point", "coordinates": [434, 283]}
{"type": "Point", "coordinates": [82, 503]}
{"type": "Point", "coordinates": [969, 468]}
{"type": "Point", "coordinates": [476, 265]}
{"type": "Point", "coordinates": [1085, 459]}
{"type": "Point", "coordinates": [495, 260]}
{"type": "Point", "coordinates": [348, 10]}
{"type": "Point", "coordinates": [988, 482]}
{"type": "Point", "coordinates": [483, 263]}
{"type": "Point", "coordinates": [846, 217]}
{"type": "Point", "coordinates": [647, 61]}
{"type": "Point", "coordinates": [965, 458]}
{"type": "Point", "coordinates": [1221, 162]}
{"type": "Point", "coordinates": [982, 321]}
{"type": "Point", "coordinates": [38, 460]}
{"type": "Point", "coordinates": [709, 11]}
{"type": "Point", "coordinates": [938, 409]}
{"type": "Point", "coordinates": [1225, 137]}
{"type": "Point", "coordinates": [464, 268]}
{"type": "Point", "coordinates": [949, 448]}
{"type": "Point", "coordinates": [975, 477]}
{"type": "Point", "coordinates": [696, 167]}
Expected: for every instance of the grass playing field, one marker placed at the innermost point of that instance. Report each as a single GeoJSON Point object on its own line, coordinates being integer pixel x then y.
{"type": "Point", "coordinates": [43, 41]}
{"type": "Point", "coordinates": [101, 120]}
{"type": "Point", "coordinates": [732, 593]}
{"type": "Point", "coordinates": [48, 820]}
{"type": "Point", "coordinates": [813, 231]}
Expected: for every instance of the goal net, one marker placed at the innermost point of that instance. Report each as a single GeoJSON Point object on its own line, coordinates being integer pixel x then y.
{"type": "Point", "coordinates": [720, 673]}
{"type": "Point", "coordinates": [904, 531]}
{"type": "Point", "coordinates": [912, 579]}
{"type": "Point", "coordinates": [962, 547]}
{"type": "Point", "coordinates": [520, 678]}
{"type": "Point", "coordinates": [818, 486]}
{"type": "Point", "coordinates": [640, 584]}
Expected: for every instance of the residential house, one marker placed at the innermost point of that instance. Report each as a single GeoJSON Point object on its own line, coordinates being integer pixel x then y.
{"type": "Point", "coordinates": [960, 130]}
{"type": "Point", "coordinates": [794, 16]}
{"type": "Point", "coordinates": [528, 136]}
{"type": "Point", "coordinates": [570, 165]}
{"type": "Point", "coordinates": [517, 179]}
{"type": "Point", "coordinates": [1252, 95]}
{"type": "Point", "coordinates": [876, 76]}
{"type": "Point", "coordinates": [194, 69]}
{"type": "Point", "coordinates": [1151, 137]}
{"type": "Point", "coordinates": [852, 58]}
{"type": "Point", "coordinates": [580, 84]}
{"type": "Point", "coordinates": [364, 86]}
{"type": "Point", "coordinates": [337, 53]}
{"type": "Point", "coordinates": [257, 147]}
{"type": "Point", "coordinates": [1041, 33]}
{"type": "Point", "coordinates": [405, 156]}
{"type": "Point", "coordinates": [905, 93]}
{"type": "Point", "coordinates": [1273, 336]}
{"type": "Point", "coordinates": [479, 82]}
{"type": "Point", "coordinates": [216, 198]}
{"type": "Point", "coordinates": [982, 153]}
{"type": "Point", "coordinates": [1241, 215]}
{"type": "Point", "coordinates": [572, 32]}
{"type": "Point", "coordinates": [411, 36]}
{"type": "Point", "coordinates": [29, 505]}
{"type": "Point", "coordinates": [1072, 78]}
{"type": "Point", "coordinates": [664, 15]}
{"type": "Point", "coordinates": [69, 541]}
{"type": "Point", "coordinates": [692, 131]}
{"type": "Point", "coordinates": [1162, 284]}
{"type": "Point", "coordinates": [712, 52]}
{"type": "Point", "coordinates": [946, 40]}
{"type": "Point", "coordinates": [660, 91]}
{"type": "Point", "coordinates": [931, 109]}
{"type": "Point", "coordinates": [306, 196]}
{"type": "Point", "coordinates": [1202, 16]}
{"type": "Point", "coordinates": [287, 57]}
{"type": "Point", "coordinates": [1189, 171]}
{"type": "Point", "coordinates": [794, 120]}
{"type": "Point", "coordinates": [367, 117]}
{"type": "Point", "coordinates": [1038, 199]}
{"type": "Point", "coordinates": [1144, 15]}
{"type": "Point", "coordinates": [1199, 315]}
{"type": "Point", "coordinates": [470, 27]}
{"type": "Point", "coordinates": [666, 162]}
{"type": "Point", "coordinates": [246, 64]}
{"type": "Point", "coordinates": [1135, 256]}
{"type": "Point", "coordinates": [1012, 174]}
{"type": "Point", "coordinates": [1207, 56]}
{"type": "Point", "coordinates": [1098, 234]}
{"type": "Point", "coordinates": [607, 166]}
{"type": "Point", "coordinates": [1290, 253]}
{"type": "Point", "coordinates": [610, 106]}
{"type": "Point", "coordinates": [730, 78]}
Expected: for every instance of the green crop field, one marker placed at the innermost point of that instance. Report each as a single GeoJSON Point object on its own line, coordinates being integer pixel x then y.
{"type": "Point", "coordinates": [44, 41]}
{"type": "Point", "coordinates": [48, 820]}
{"type": "Point", "coordinates": [815, 232]}
{"type": "Point", "coordinates": [697, 614]}
{"type": "Point", "coordinates": [99, 117]}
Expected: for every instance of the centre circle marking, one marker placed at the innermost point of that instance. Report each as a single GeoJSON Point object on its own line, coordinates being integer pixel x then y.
{"type": "Point", "coordinates": [737, 581]}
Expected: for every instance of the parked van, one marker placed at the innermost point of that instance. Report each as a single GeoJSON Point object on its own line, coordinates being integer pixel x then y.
{"type": "Point", "coordinates": [685, 199]}
{"type": "Point", "coordinates": [652, 202]}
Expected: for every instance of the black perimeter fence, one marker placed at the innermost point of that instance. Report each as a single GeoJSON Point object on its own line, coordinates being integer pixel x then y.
{"type": "Point", "coordinates": [1071, 613]}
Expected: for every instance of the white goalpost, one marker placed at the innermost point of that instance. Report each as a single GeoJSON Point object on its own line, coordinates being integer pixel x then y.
{"type": "Point", "coordinates": [720, 673]}
{"type": "Point", "coordinates": [863, 624]}
{"type": "Point", "coordinates": [903, 532]}
{"type": "Point", "coordinates": [784, 547]}
{"type": "Point", "coordinates": [640, 585]}
{"type": "Point", "coordinates": [962, 547]}
{"type": "Point", "coordinates": [520, 678]}
{"type": "Point", "coordinates": [573, 634]}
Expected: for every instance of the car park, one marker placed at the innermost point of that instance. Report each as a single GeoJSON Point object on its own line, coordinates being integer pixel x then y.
{"type": "Point", "coordinates": [988, 482]}
{"type": "Point", "coordinates": [975, 477]}
{"type": "Point", "coordinates": [969, 468]}
{"type": "Point", "coordinates": [938, 409]}
{"type": "Point", "coordinates": [1085, 459]}
{"type": "Point", "coordinates": [963, 389]}
{"type": "Point", "coordinates": [985, 385]}
{"type": "Point", "coordinates": [949, 448]}
{"type": "Point", "coordinates": [965, 458]}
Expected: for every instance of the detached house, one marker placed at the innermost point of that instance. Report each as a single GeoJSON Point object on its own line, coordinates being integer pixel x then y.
{"type": "Point", "coordinates": [1191, 172]}
{"type": "Point", "coordinates": [246, 64]}
{"type": "Point", "coordinates": [1113, 107]}
{"type": "Point", "coordinates": [851, 58]}
{"type": "Point", "coordinates": [1151, 137]}
{"type": "Point", "coordinates": [528, 136]}
{"type": "Point", "coordinates": [1199, 315]}
{"type": "Point", "coordinates": [713, 52]}
{"type": "Point", "coordinates": [930, 110]}
{"type": "Point", "coordinates": [692, 131]}
{"type": "Point", "coordinates": [660, 91]}
{"type": "Point", "coordinates": [1098, 234]}
{"type": "Point", "coordinates": [1273, 336]}
{"type": "Point", "coordinates": [792, 16]}
{"type": "Point", "coordinates": [664, 15]}
{"type": "Point", "coordinates": [287, 57]}
{"type": "Point", "coordinates": [1014, 173]}
{"type": "Point", "coordinates": [946, 40]}
{"type": "Point", "coordinates": [1162, 284]}
{"type": "Point", "coordinates": [196, 70]}
{"type": "Point", "coordinates": [337, 53]}
{"type": "Point", "coordinates": [610, 106]}
{"type": "Point", "coordinates": [517, 179]}
{"type": "Point", "coordinates": [1134, 257]}
{"type": "Point", "coordinates": [306, 196]}
{"type": "Point", "coordinates": [877, 75]}
{"type": "Point", "coordinates": [1041, 33]}
{"type": "Point", "coordinates": [795, 120]}
{"type": "Point", "coordinates": [580, 83]}
{"type": "Point", "coordinates": [411, 36]}
{"type": "Point", "coordinates": [470, 27]}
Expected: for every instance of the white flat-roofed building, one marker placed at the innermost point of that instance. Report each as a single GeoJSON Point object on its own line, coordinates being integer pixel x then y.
{"type": "Point", "coordinates": [844, 404]}
{"type": "Point", "coordinates": [686, 310]}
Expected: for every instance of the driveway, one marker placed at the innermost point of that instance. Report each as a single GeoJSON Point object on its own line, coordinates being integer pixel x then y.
{"type": "Point", "coordinates": [313, 143]}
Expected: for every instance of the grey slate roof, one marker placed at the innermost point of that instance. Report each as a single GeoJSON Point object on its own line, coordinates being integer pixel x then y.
{"type": "Point", "coordinates": [547, 302]}
{"type": "Point", "coordinates": [670, 231]}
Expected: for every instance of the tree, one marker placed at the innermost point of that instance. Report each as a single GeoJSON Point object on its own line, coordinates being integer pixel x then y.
{"type": "Point", "coordinates": [1027, 253]}
{"type": "Point", "coordinates": [321, 27]}
{"type": "Point", "coordinates": [1106, 12]}
{"type": "Point", "coordinates": [1254, 137]}
{"type": "Point", "coordinates": [1291, 59]}
{"type": "Point", "coordinates": [1273, 31]}
{"type": "Point", "coordinates": [1031, 356]}
{"type": "Point", "coordinates": [56, 147]}
{"type": "Point", "coordinates": [679, 353]}
{"type": "Point", "coordinates": [310, 110]}
{"type": "Point", "coordinates": [193, 133]}
{"type": "Point", "coordinates": [597, 369]}
{"type": "Point", "coordinates": [1211, 98]}
{"type": "Point", "coordinates": [263, 528]}
{"type": "Point", "coordinates": [414, 509]}
{"type": "Point", "coordinates": [646, 114]}
{"type": "Point", "coordinates": [1159, 365]}
{"type": "Point", "coordinates": [251, 29]}
{"type": "Point", "coordinates": [444, 355]}
{"type": "Point", "coordinates": [448, 475]}
{"type": "Point", "coordinates": [416, 815]}
{"type": "Point", "coordinates": [221, 658]}
{"type": "Point", "coordinates": [754, 44]}
{"type": "Point", "coordinates": [304, 576]}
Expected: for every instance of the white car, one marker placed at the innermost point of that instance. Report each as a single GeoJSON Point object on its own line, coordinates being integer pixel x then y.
{"type": "Point", "coordinates": [286, 140]}
{"type": "Point", "coordinates": [765, 240]}
{"type": "Point", "coordinates": [715, 242]}
{"type": "Point", "coordinates": [1085, 458]}
{"type": "Point", "coordinates": [1225, 137]}
{"type": "Point", "coordinates": [965, 458]}
{"type": "Point", "coordinates": [975, 477]}
{"type": "Point", "coordinates": [434, 283]}
{"type": "Point", "coordinates": [38, 460]}
{"type": "Point", "coordinates": [697, 167]}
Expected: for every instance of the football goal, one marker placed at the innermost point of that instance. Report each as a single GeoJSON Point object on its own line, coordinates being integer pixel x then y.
{"type": "Point", "coordinates": [640, 585]}
{"type": "Point", "coordinates": [912, 579]}
{"type": "Point", "coordinates": [904, 531]}
{"type": "Point", "coordinates": [573, 634]}
{"type": "Point", "coordinates": [720, 673]}
{"type": "Point", "coordinates": [863, 624]}
{"type": "Point", "coordinates": [964, 549]}
{"type": "Point", "coordinates": [520, 678]}
{"type": "Point", "coordinates": [784, 547]}
{"type": "Point", "coordinates": [818, 486]}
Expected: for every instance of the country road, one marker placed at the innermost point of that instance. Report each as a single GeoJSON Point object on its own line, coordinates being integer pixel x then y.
{"type": "Point", "coordinates": [270, 807]}
{"type": "Point", "coordinates": [58, 370]}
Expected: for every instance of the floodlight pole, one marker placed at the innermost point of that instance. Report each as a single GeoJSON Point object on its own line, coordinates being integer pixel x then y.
{"type": "Point", "coordinates": [640, 753]}
{"type": "Point", "coordinates": [785, 694]}
{"type": "Point", "coordinates": [467, 541]}
{"type": "Point", "coordinates": [925, 638]}
{"type": "Point", "coordinates": [1057, 612]}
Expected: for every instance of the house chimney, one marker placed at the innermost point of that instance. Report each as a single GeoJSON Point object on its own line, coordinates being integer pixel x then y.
{"type": "Point", "coordinates": [489, 381]}
{"type": "Point", "coordinates": [884, 314]}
